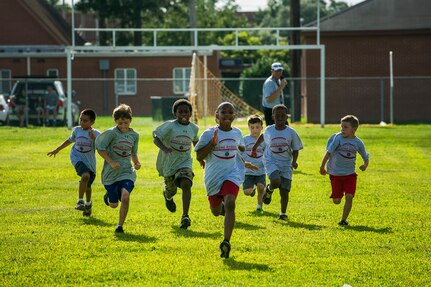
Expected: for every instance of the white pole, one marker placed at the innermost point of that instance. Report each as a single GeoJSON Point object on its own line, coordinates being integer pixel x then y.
{"type": "Point", "coordinates": [69, 88]}
{"type": "Point", "coordinates": [391, 76]}
{"type": "Point", "coordinates": [205, 91]}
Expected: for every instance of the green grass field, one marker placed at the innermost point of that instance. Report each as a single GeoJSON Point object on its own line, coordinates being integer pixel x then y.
{"type": "Point", "coordinates": [44, 241]}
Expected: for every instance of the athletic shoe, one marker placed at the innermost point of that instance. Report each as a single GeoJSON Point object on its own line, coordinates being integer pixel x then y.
{"type": "Point", "coordinates": [119, 229]}
{"type": "Point", "coordinates": [253, 193]}
{"type": "Point", "coordinates": [105, 199]}
{"type": "Point", "coordinates": [170, 204]}
{"type": "Point", "coordinates": [259, 209]}
{"type": "Point", "coordinates": [267, 195]}
{"type": "Point", "coordinates": [87, 210]}
{"type": "Point", "coordinates": [185, 222]}
{"type": "Point", "coordinates": [80, 205]}
{"type": "Point", "coordinates": [343, 223]}
{"type": "Point", "coordinates": [225, 249]}
{"type": "Point", "coordinates": [283, 217]}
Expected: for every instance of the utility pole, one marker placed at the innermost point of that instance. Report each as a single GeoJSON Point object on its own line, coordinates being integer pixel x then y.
{"type": "Point", "coordinates": [192, 11]}
{"type": "Point", "coordinates": [295, 58]}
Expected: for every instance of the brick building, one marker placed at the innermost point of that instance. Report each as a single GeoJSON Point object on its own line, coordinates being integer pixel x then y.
{"type": "Point", "coordinates": [357, 42]}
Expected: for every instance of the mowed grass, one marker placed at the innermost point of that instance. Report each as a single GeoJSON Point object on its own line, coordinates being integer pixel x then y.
{"type": "Point", "coordinates": [44, 241]}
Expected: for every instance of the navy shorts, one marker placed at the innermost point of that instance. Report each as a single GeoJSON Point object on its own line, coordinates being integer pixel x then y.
{"type": "Point", "coordinates": [82, 168]}
{"type": "Point", "coordinates": [251, 180]}
{"type": "Point", "coordinates": [285, 182]}
{"type": "Point", "coordinates": [114, 190]}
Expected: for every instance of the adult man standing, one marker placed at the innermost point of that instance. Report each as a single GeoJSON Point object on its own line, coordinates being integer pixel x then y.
{"type": "Point", "coordinates": [273, 91]}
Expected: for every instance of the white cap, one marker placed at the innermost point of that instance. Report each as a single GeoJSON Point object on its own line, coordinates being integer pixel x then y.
{"type": "Point", "coordinates": [277, 66]}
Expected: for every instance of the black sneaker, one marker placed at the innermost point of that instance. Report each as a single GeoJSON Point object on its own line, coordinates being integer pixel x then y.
{"type": "Point", "coordinates": [283, 217]}
{"type": "Point", "coordinates": [343, 222]}
{"type": "Point", "coordinates": [87, 210]}
{"type": "Point", "coordinates": [185, 222]}
{"type": "Point", "coordinates": [105, 199]}
{"type": "Point", "coordinates": [225, 249]}
{"type": "Point", "coordinates": [170, 204]}
{"type": "Point", "coordinates": [267, 195]}
{"type": "Point", "coordinates": [80, 205]}
{"type": "Point", "coordinates": [119, 229]}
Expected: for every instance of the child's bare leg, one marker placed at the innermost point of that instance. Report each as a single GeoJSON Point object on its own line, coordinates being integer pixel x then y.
{"type": "Point", "coordinates": [88, 194]}
{"type": "Point", "coordinates": [85, 177]}
{"type": "Point", "coordinates": [186, 187]}
{"type": "Point", "coordinates": [260, 189]}
{"type": "Point", "coordinates": [347, 206]}
{"type": "Point", "coordinates": [248, 191]}
{"type": "Point", "coordinates": [229, 218]}
{"type": "Point", "coordinates": [274, 183]}
{"type": "Point", "coordinates": [216, 210]}
{"type": "Point", "coordinates": [284, 199]}
{"type": "Point", "coordinates": [124, 208]}
{"type": "Point", "coordinates": [336, 200]}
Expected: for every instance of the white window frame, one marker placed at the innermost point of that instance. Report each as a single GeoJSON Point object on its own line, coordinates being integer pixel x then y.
{"type": "Point", "coordinates": [55, 71]}
{"type": "Point", "coordinates": [125, 85]}
{"type": "Point", "coordinates": [5, 81]}
{"type": "Point", "coordinates": [184, 80]}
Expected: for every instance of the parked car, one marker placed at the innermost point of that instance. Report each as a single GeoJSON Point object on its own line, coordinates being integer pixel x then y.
{"type": "Point", "coordinates": [37, 89]}
{"type": "Point", "coordinates": [4, 110]}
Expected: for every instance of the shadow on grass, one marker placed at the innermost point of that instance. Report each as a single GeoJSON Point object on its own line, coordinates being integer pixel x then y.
{"type": "Point", "coordinates": [128, 237]}
{"type": "Point", "coordinates": [300, 225]}
{"type": "Point", "coordinates": [94, 221]}
{"type": "Point", "coordinates": [238, 265]}
{"type": "Point", "coordinates": [190, 233]}
{"type": "Point", "coordinates": [246, 226]}
{"type": "Point", "coordinates": [263, 213]}
{"type": "Point", "coordinates": [369, 229]}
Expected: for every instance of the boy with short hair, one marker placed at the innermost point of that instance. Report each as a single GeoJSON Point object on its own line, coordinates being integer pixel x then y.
{"type": "Point", "coordinates": [254, 179]}
{"type": "Point", "coordinates": [118, 146]}
{"type": "Point", "coordinates": [280, 157]}
{"type": "Point", "coordinates": [174, 162]}
{"type": "Point", "coordinates": [82, 156]}
{"type": "Point", "coordinates": [340, 161]}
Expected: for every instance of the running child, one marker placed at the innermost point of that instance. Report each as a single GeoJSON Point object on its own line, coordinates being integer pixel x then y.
{"type": "Point", "coordinates": [340, 161]}
{"type": "Point", "coordinates": [254, 179]}
{"type": "Point", "coordinates": [280, 157]}
{"type": "Point", "coordinates": [83, 157]}
{"type": "Point", "coordinates": [220, 146]}
{"type": "Point", "coordinates": [174, 162]}
{"type": "Point", "coordinates": [118, 146]}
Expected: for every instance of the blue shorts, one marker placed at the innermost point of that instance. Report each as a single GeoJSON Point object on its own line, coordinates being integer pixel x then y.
{"type": "Point", "coordinates": [114, 190]}
{"type": "Point", "coordinates": [251, 180]}
{"type": "Point", "coordinates": [82, 168]}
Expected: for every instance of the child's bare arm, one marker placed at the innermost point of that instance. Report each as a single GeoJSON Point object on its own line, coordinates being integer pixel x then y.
{"type": "Point", "coordinates": [158, 142]}
{"type": "Point", "coordinates": [108, 159]}
{"type": "Point", "coordinates": [254, 148]}
{"type": "Point", "coordinates": [365, 165]}
{"type": "Point", "coordinates": [295, 155]}
{"type": "Point", "coordinates": [324, 161]}
{"type": "Point", "coordinates": [62, 146]}
{"type": "Point", "coordinates": [203, 152]}
{"type": "Point", "coordinates": [136, 163]}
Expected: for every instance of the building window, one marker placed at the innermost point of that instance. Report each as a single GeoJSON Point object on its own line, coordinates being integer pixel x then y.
{"type": "Point", "coordinates": [52, 73]}
{"type": "Point", "coordinates": [5, 81]}
{"type": "Point", "coordinates": [125, 81]}
{"type": "Point", "coordinates": [181, 80]}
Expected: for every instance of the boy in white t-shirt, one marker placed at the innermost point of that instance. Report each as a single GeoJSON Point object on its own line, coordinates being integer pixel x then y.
{"type": "Point", "coordinates": [280, 157]}
{"type": "Point", "coordinates": [220, 147]}
{"type": "Point", "coordinates": [254, 179]}
{"type": "Point", "coordinates": [340, 157]}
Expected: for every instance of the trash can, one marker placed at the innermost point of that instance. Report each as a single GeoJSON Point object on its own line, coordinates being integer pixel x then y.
{"type": "Point", "coordinates": [162, 107]}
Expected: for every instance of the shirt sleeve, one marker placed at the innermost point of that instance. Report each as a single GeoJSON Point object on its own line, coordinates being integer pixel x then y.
{"type": "Point", "coordinates": [104, 139]}
{"type": "Point", "coordinates": [333, 143]}
{"type": "Point", "coordinates": [204, 139]}
{"type": "Point", "coordinates": [72, 137]}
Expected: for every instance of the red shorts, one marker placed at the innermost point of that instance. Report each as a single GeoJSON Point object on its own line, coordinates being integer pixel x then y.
{"type": "Point", "coordinates": [228, 187]}
{"type": "Point", "coordinates": [343, 184]}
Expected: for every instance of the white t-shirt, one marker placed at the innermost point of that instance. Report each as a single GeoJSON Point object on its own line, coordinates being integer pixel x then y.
{"type": "Point", "coordinates": [280, 145]}
{"type": "Point", "coordinates": [249, 142]}
{"type": "Point", "coordinates": [224, 161]}
{"type": "Point", "coordinates": [343, 154]}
